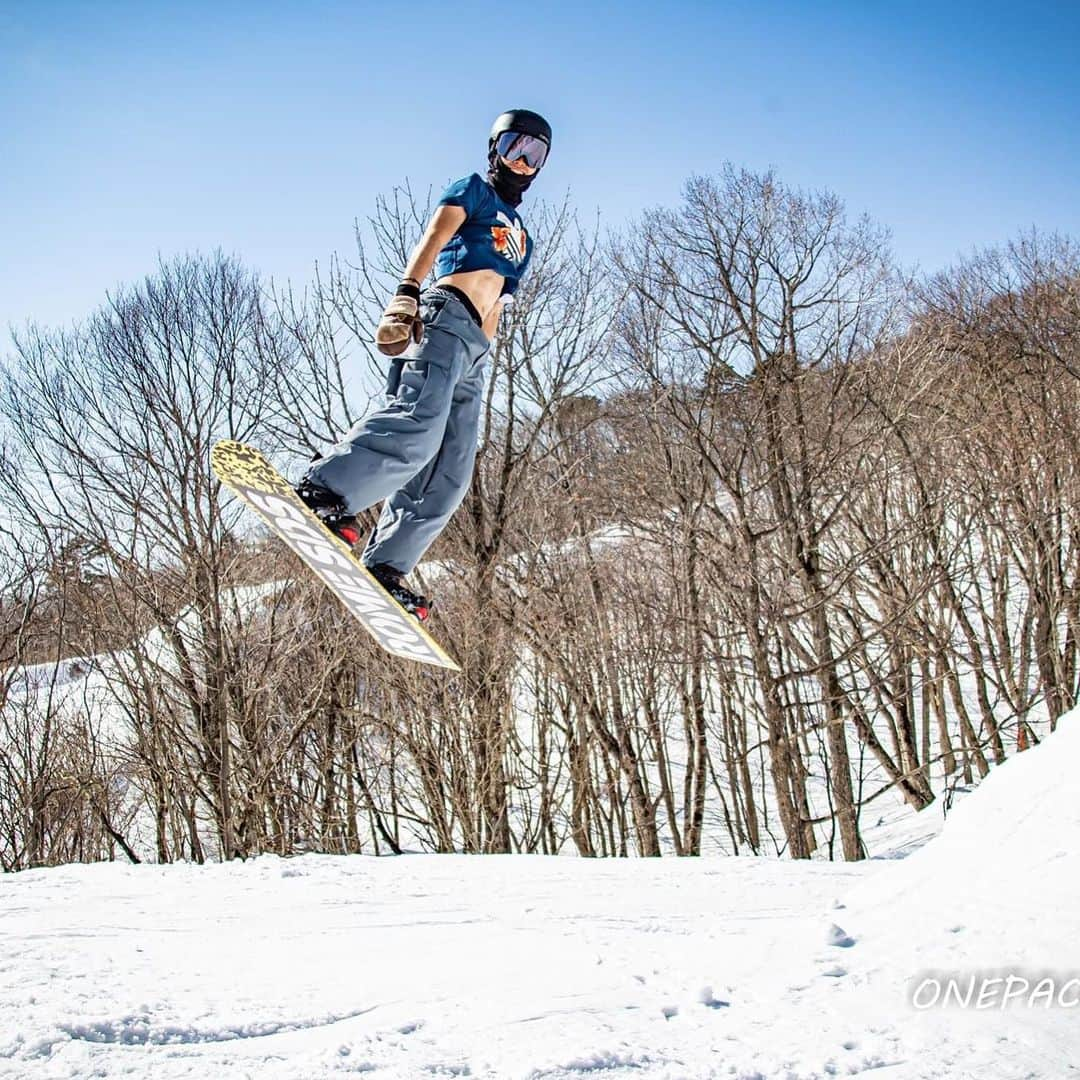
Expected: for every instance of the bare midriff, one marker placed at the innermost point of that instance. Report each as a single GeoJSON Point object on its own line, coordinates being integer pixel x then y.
{"type": "Point", "coordinates": [482, 287]}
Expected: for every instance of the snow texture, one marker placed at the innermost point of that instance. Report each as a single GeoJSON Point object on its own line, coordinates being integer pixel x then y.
{"type": "Point", "coordinates": [531, 967]}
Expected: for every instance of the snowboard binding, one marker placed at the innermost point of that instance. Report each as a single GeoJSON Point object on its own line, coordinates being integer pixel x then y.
{"type": "Point", "coordinates": [329, 508]}
{"type": "Point", "coordinates": [393, 581]}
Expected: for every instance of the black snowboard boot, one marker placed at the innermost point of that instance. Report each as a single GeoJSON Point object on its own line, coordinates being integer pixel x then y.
{"type": "Point", "coordinates": [393, 581]}
{"type": "Point", "coordinates": [330, 510]}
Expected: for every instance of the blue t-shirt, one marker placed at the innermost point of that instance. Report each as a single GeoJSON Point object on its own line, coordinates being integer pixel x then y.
{"type": "Point", "coordinates": [492, 236]}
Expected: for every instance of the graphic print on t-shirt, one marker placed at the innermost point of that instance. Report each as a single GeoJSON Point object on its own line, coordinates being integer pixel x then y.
{"type": "Point", "coordinates": [509, 238]}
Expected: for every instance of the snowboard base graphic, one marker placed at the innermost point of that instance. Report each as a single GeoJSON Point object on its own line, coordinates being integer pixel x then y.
{"type": "Point", "coordinates": [248, 473]}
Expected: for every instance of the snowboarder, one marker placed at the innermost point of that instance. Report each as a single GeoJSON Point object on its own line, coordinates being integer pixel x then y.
{"type": "Point", "coordinates": [417, 452]}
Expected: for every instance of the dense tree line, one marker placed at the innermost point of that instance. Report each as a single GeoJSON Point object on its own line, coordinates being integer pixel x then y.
{"type": "Point", "coordinates": [761, 532]}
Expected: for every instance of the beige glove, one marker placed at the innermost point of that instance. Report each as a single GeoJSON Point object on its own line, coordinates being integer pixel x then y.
{"type": "Point", "coordinates": [400, 323]}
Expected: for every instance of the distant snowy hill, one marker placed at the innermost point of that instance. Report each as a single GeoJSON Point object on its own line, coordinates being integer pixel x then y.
{"type": "Point", "coordinates": [512, 966]}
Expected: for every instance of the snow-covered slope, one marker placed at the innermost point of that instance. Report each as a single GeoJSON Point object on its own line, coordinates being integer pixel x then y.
{"type": "Point", "coordinates": [990, 907]}
{"type": "Point", "coordinates": [509, 966]}
{"type": "Point", "coordinates": [1011, 846]}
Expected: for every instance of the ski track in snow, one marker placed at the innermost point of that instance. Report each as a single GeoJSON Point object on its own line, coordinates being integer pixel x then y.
{"type": "Point", "coordinates": [530, 967]}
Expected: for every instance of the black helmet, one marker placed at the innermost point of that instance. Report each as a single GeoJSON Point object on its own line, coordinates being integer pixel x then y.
{"type": "Point", "coordinates": [523, 120]}
{"type": "Point", "coordinates": [510, 186]}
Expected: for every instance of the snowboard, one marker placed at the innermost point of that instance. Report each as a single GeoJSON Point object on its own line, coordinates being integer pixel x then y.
{"type": "Point", "coordinates": [247, 473]}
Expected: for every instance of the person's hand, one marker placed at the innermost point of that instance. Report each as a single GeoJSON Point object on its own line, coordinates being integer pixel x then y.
{"type": "Point", "coordinates": [400, 323]}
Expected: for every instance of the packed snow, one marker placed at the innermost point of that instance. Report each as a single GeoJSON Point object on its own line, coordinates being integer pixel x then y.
{"type": "Point", "coordinates": [522, 966]}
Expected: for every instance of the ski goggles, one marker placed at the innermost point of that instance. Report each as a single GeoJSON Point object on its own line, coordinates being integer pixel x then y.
{"type": "Point", "coordinates": [513, 145]}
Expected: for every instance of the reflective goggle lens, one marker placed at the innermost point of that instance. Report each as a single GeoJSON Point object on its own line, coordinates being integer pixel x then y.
{"type": "Point", "coordinates": [513, 145]}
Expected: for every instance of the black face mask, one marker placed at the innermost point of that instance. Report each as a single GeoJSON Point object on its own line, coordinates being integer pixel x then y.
{"type": "Point", "coordinates": [508, 185]}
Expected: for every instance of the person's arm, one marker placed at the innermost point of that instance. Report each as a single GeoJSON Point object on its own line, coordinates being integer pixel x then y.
{"type": "Point", "coordinates": [443, 224]}
{"type": "Point", "coordinates": [400, 322]}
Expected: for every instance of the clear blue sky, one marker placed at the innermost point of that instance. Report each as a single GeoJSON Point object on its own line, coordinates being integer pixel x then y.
{"type": "Point", "coordinates": [133, 129]}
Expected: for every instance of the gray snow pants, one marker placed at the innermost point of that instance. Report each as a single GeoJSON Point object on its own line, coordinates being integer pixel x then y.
{"type": "Point", "coordinates": [418, 451]}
